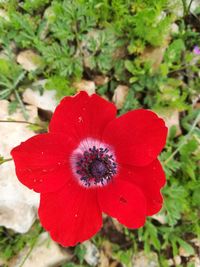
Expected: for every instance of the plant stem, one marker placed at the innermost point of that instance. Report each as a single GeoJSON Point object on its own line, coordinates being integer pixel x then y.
{"type": "Point", "coordinates": [21, 104]}
{"type": "Point", "coordinates": [184, 7]}
{"type": "Point", "coordinates": [27, 122]}
{"type": "Point", "coordinates": [189, 6]}
{"type": "Point", "coordinates": [5, 160]}
{"type": "Point", "coordinates": [187, 136]}
{"type": "Point", "coordinates": [29, 252]}
{"type": "Point", "coordinates": [19, 79]}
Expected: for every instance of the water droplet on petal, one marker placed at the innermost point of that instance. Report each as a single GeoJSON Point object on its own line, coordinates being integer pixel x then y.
{"type": "Point", "coordinates": [80, 119]}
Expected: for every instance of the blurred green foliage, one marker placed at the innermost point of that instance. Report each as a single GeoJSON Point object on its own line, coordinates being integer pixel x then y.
{"type": "Point", "coordinates": [12, 243]}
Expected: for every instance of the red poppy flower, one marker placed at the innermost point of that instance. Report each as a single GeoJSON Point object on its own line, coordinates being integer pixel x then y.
{"type": "Point", "coordinates": [92, 162]}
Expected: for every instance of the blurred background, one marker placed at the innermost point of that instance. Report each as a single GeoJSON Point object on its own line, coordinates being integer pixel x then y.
{"type": "Point", "coordinates": [139, 53]}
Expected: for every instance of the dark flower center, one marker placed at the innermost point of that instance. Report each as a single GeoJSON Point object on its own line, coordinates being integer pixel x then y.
{"type": "Point", "coordinates": [95, 166]}
{"type": "Point", "coordinates": [98, 168]}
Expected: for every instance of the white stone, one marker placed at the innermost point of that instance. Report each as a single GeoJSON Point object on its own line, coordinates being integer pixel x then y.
{"type": "Point", "coordinates": [3, 14]}
{"type": "Point", "coordinates": [174, 28]}
{"type": "Point", "coordinates": [120, 95]}
{"type": "Point", "coordinates": [145, 260]}
{"type": "Point", "coordinates": [195, 260]}
{"type": "Point", "coordinates": [161, 16]}
{"type": "Point", "coordinates": [196, 241]}
{"type": "Point", "coordinates": [92, 254]}
{"type": "Point", "coordinates": [170, 262]}
{"type": "Point", "coordinates": [161, 218]}
{"type": "Point", "coordinates": [46, 253]}
{"type": "Point", "coordinates": [171, 118]}
{"type": "Point", "coordinates": [29, 60]}
{"type": "Point", "coordinates": [196, 100]}
{"type": "Point", "coordinates": [18, 204]}
{"type": "Point", "coordinates": [177, 260]}
{"type": "Point", "coordinates": [2, 262]}
{"type": "Point", "coordinates": [46, 101]}
{"type": "Point", "coordinates": [176, 7]}
{"type": "Point", "coordinates": [85, 85]}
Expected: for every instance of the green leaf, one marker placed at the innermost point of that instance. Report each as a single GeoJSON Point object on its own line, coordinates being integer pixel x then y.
{"type": "Point", "coordinates": [61, 85]}
{"type": "Point", "coordinates": [187, 247]}
{"type": "Point", "coordinates": [80, 251]}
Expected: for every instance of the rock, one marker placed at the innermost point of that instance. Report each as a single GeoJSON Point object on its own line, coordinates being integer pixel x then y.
{"type": "Point", "coordinates": [46, 253]}
{"type": "Point", "coordinates": [29, 60]}
{"type": "Point", "coordinates": [195, 261]}
{"type": "Point", "coordinates": [4, 14]}
{"type": "Point", "coordinates": [177, 260]}
{"type": "Point", "coordinates": [107, 248]}
{"type": "Point", "coordinates": [145, 260]}
{"type": "Point", "coordinates": [196, 100]}
{"type": "Point", "coordinates": [100, 80]}
{"type": "Point", "coordinates": [161, 16]}
{"type": "Point", "coordinates": [183, 252]}
{"type": "Point", "coordinates": [155, 55]}
{"type": "Point", "coordinates": [104, 261]}
{"type": "Point", "coordinates": [3, 263]}
{"type": "Point", "coordinates": [46, 101]}
{"type": "Point", "coordinates": [161, 218]}
{"type": "Point", "coordinates": [171, 118]}
{"type": "Point", "coordinates": [174, 28]}
{"type": "Point", "coordinates": [196, 242]}
{"type": "Point", "coordinates": [194, 5]}
{"type": "Point", "coordinates": [115, 264]}
{"type": "Point", "coordinates": [119, 53]}
{"type": "Point", "coordinates": [177, 8]}
{"type": "Point", "coordinates": [120, 95]}
{"type": "Point", "coordinates": [92, 254]}
{"type": "Point", "coordinates": [85, 85]}
{"type": "Point", "coordinates": [18, 205]}
{"type": "Point", "coordinates": [170, 262]}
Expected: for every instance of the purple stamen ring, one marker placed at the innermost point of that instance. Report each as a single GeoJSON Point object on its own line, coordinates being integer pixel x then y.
{"type": "Point", "coordinates": [93, 163]}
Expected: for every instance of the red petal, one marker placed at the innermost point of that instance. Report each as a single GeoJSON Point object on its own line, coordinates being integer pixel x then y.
{"type": "Point", "coordinates": [82, 116]}
{"type": "Point", "coordinates": [71, 215]}
{"type": "Point", "coordinates": [124, 201]}
{"type": "Point", "coordinates": [138, 137]}
{"type": "Point", "coordinates": [42, 162]}
{"type": "Point", "coordinates": [150, 179]}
